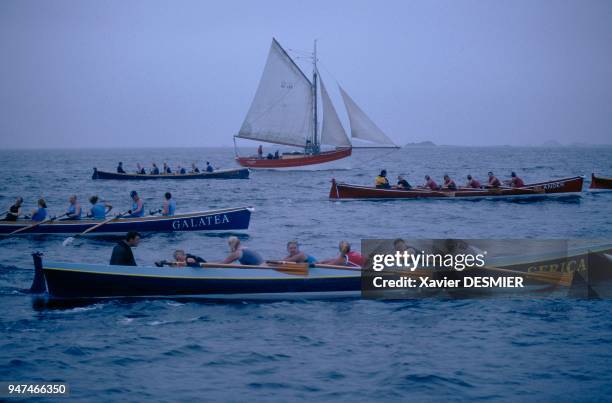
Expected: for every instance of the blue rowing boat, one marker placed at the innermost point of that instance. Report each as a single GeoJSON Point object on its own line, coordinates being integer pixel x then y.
{"type": "Point", "coordinates": [212, 220]}
{"type": "Point", "coordinates": [238, 173]}
{"type": "Point", "coordinates": [81, 280]}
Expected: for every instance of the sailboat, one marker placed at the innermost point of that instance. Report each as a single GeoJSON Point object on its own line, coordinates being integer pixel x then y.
{"type": "Point", "coordinates": [285, 112]}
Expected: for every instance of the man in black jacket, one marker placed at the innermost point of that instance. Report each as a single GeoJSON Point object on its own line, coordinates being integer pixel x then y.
{"type": "Point", "coordinates": [122, 252]}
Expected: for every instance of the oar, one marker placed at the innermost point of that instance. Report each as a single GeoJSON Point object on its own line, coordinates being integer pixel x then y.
{"type": "Point", "coordinates": [564, 279]}
{"type": "Point", "coordinates": [336, 267]}
{"type": "Point", "coordinates": [293, 268]}
{"type": "Point", "coordinates": [153, 212]}
{"type": "Point", "coordinates": [35, 225]}
{"type": "Point", "coordinates": [4, 212]}
{"type": "Point", "coordinates": [70, 239]}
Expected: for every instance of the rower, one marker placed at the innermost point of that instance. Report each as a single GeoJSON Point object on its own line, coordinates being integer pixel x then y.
{"type": "Point", "coordinates": [137, 209]}
{"type": "Point", "coordinates": [209, 168]}
{"type": "Point", "coordinates": [14, 211]}
{"type": "Point", "coordinates": [347, 257]}
{"type": "Point", "coordinates": [430, 183]}
{"type": "Point", "coordinates": [270, 156]}
{"type": "Point", "coordinates": [73, 212]}
{"type": "Point", "coordinates": [244, 256]}
{"type": "Point", "coordinates": [493, 181]}
{"type": "Point", "coordinates": [187, 259]}
{"type": "Point", "coordinates": [140, 170]}
{"type": "Point", "coordinates": [403, 183]}
{"type": "Point", "coordinates": [472, 183]}
{"type": "Point", "coordinates": [169, 205]}
{"type": "Point", "coordinates": [40, 213]}
{"type": "Point", "coordinates": [276, 155]}
{"type": "Point", "coordinates": [296, 255]}
{"type": "Point", "coordinates": [260, 152]}
{"type": "Point", "coordinates": [155, 169]}
{"type": "Point", "coordinates": [516, 182]}
{"type": "Point", "coordinates": [381, 181]}
{"type": "Point", "coordinates": [122, 252]}
{"type": "Point", "coordinates": [166, 169]}
{"type": "Point", "coordinates": [120, 169]}
{"type": "Point", "coordinates": [98, 208]}
{"type": "Point", "coordinates": [194, 168]}
{"type": "Point", "coordinates": [182, 170]}
{"type": "Point", "coordinates": [449, 183]}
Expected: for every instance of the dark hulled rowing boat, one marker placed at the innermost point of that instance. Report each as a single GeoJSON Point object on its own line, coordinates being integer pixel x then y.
{"type": "Point", "coordinates": [600, 183]}
{"type": "Point", "coordinates": [560, 186]}
{"type": "Point", "coordinates": [581, 272]}
{"type": "Point", "coordinates": [238, 173]}
{"type": "Point", "coordinates": [212, 220]}
{"type": "Point", "coordinates": [80, 280]}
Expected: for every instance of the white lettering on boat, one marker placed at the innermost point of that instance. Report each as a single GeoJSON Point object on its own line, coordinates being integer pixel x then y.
{"type": "Point", "coordinates": [553, 185]}
{"type": "Point", "coordinates": [206, 221]}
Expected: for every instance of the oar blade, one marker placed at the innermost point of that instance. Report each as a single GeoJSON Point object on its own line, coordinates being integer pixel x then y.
{"type": "Point", "coordinates": [68, 241]}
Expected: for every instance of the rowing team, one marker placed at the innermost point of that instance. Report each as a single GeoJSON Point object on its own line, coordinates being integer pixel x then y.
{"type": "Point", "coordinates": [382, 182]}
{"type": "Point", "coordinates": [140, 170]}
{"type": "Point", "coordinates": [98, 211]}
{"type": "Point", "coordinates": [122, 254]}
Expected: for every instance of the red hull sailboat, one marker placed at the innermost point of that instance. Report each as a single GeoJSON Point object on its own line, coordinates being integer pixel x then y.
{"type": "Point", "coordinates": [294, 160]}
{"type": "Point", "coordinates": [285, 112]}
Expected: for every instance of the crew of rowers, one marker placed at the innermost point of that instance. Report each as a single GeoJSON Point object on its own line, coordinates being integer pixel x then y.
{"type": "Point", "coordinates": [166, 170]}
{"type": "Point", "coordinates": [240, 254]}
{"type": "Point", "coordinates": [98, 210]}
{"type": "Point", "coordinates": [381, 182]}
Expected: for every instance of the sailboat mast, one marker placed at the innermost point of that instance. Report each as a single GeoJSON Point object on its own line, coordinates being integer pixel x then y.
{"type": "Point", "coordinates": [315, 141]}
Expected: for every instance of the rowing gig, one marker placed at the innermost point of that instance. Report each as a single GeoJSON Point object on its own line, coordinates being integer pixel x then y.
{"type": "Point", "coordinates": [341, 190]}
{"type": "Point", "coordinates": [238, 173]}
{"type": "Point", "coordinates": [213, 221]}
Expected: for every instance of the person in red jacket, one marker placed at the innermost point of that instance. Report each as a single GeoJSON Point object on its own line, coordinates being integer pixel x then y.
{"type": "Point", "coordinates": [430, 183]}
{"type": "Point", "coordinates": [516, 182]}
{"type": "Point", "coordinates": [347, 257]}
{"type": "Point", "coordinates": [493, 181]}
{"type": "Point", "coordinates": [472, 183]}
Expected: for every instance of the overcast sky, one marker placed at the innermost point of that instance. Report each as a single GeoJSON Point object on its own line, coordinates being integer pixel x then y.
{"type": "Point", "coordinates": [183, 73]}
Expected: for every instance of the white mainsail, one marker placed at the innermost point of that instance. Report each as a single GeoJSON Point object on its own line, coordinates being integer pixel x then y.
{"type": "Point", "coordinates": [281, 111]}
{"type": "Point", "coordinates": [332, 132]}
{"type": "Point", "coordinates": [362, 126]}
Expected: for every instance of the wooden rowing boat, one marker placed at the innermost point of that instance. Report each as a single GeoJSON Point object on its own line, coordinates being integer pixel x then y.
{"type": "Point", "coordinates": [340, 191]}
{"type": "Point", "coordinates": [212, 220]}
{"type": "Point", "coordinates": [600, 183]}
{"type": "Point", "coordinates": [80, 280]}
{"type": "Point", "coordinates": [238, 173]}
{"type": "Point", "coordinates": [583, 272]}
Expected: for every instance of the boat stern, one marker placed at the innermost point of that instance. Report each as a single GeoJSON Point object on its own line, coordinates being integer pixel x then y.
{"type": "Point", "coordinates": [39, 284]}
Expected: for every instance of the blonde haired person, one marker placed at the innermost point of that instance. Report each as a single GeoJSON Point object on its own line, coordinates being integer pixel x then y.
{"type": "Point", "coordinates": [241, 254]}
{"type": "Point", "coordinates": [347, 257]}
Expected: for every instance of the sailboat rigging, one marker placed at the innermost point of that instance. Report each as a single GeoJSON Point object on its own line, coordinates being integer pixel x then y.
{"type": "Point", "coordinates": [284, 111]}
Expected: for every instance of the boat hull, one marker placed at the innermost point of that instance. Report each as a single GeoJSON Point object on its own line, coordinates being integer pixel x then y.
{"type": "Point", "coordinates": [69, 280]}
{"type": "Point", "coordinates": [213, 221]}
{"type": "Point", "coordinates": [600, 183]}
{"type": "Point", "coordinates": [560, 186]}
{"type": "Point", "coordinates": [295, 162]}
{"type": "Point", "coordinates": [239, 173]}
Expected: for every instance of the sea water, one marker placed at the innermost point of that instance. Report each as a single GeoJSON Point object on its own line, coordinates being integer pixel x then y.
{"type": "Point", "coordinates": [359, 350]}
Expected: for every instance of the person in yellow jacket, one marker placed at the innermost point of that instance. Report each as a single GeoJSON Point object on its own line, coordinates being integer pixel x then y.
{"type": "Point", "coordinates": [381, 181]}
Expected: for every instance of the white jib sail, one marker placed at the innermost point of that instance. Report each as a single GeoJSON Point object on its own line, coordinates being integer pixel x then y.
{"type": "Point", "coordinates": [281, 111]}
{"type": "Point", "coordinates": [361, 126]}
{"type": "Point", "coordinates": [332, 132]}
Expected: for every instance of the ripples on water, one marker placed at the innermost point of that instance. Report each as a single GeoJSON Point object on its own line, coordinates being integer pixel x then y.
{"type": "Point", "coordinates": [349, 349]}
